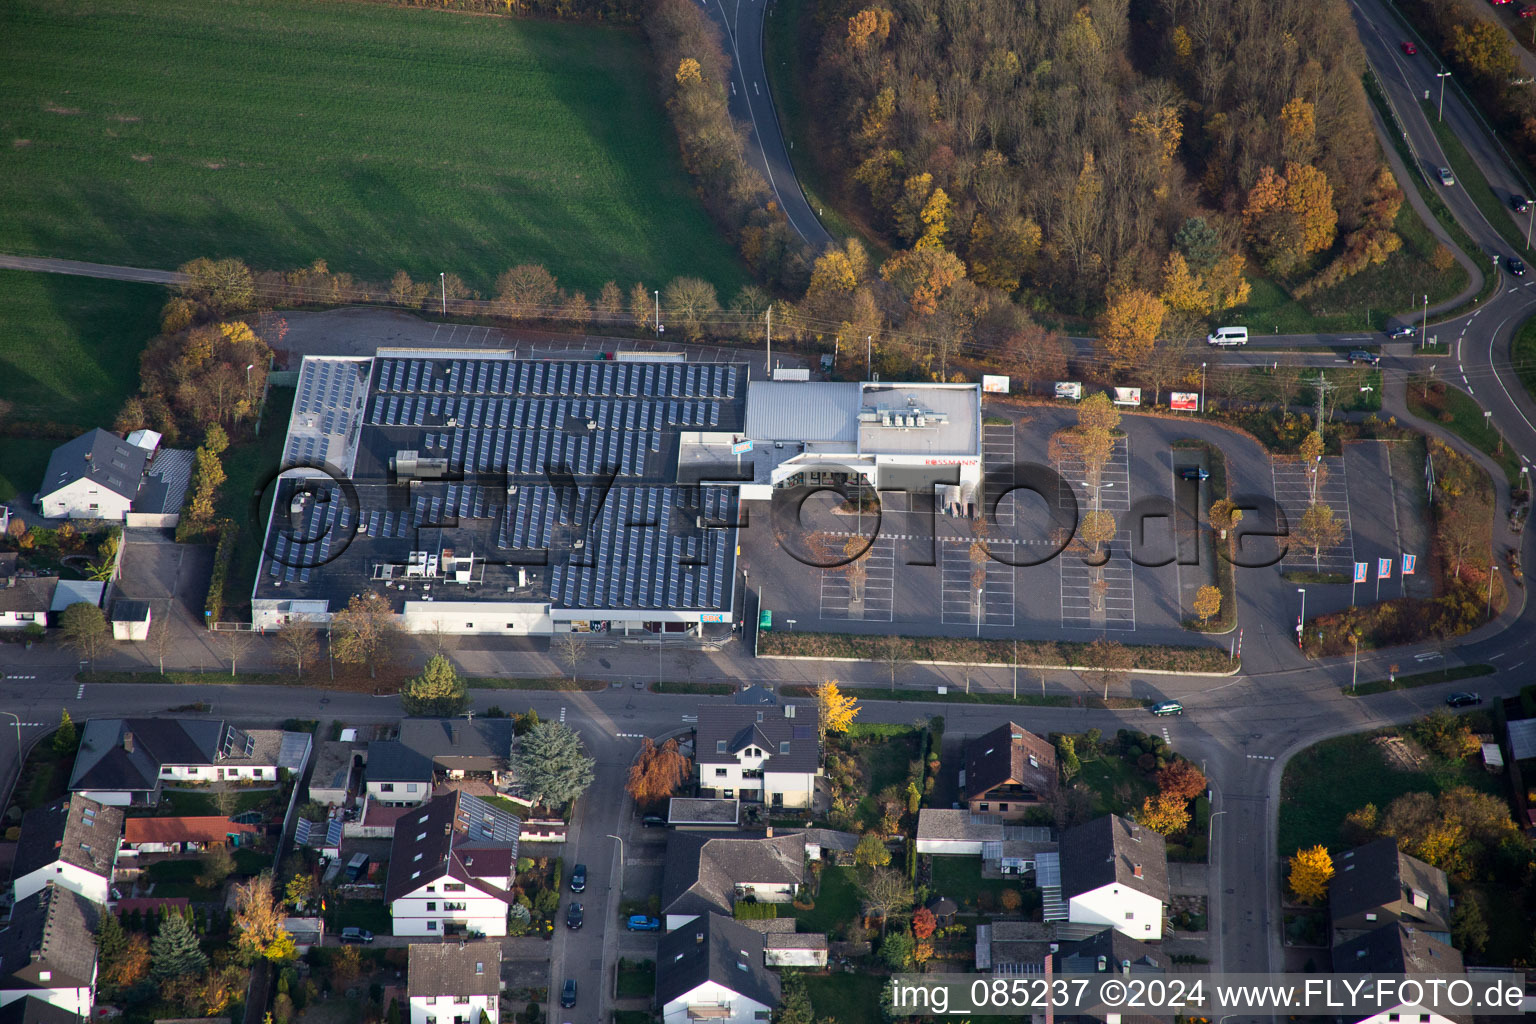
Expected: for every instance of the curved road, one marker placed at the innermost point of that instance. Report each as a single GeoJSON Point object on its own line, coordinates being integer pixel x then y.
{"type": "Point", "coordinates": [741, 21]}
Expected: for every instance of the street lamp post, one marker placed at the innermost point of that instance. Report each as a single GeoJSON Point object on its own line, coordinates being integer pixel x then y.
{"type": "Point", "coordinates": [1301, 623]}
{"type": "Point", "coordinates": [1493, 571]}
{"type": "Point", "coordinates": [248, 368]}
{"type": "Point", "coordinates": [658, 312]}
{"type": "Point", "coordinates": [1440, 111]}
{"type": "Point", "coordinates": [1354, 674]}
{"type": "Point", "coordinates": [621, 862]}
{"type": "Point", "coordinates": [1424, 327]}
{"type": "Point", "coordinates": [1210, 831]}
{"type": "Point", "coordinates": [442, 278]}
{"type": "Point", "coordinates": [1202, 387]}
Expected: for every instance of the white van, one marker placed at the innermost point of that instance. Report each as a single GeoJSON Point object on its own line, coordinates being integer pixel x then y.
{"type": "Point", "coordinates": [1228, 336]}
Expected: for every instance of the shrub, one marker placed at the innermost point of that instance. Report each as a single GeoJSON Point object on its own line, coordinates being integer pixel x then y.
{"type": "Point", "coordinates": [223, 555]}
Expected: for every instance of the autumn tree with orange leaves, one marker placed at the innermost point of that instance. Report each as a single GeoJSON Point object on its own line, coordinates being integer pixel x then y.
{"type": "Point", "coordinates": [1129, 327]}
{"type": "Point", "coordinates": [1288, 219]}
{"type": "Point", "coordinates": [657, 772]}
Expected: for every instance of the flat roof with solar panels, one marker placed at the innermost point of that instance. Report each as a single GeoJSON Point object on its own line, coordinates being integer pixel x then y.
{"type": "Point", "coordinates": [479, 493]}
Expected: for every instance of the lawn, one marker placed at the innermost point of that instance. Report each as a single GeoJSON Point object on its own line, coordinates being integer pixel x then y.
{"type": "Point", "coordinates": [44, 777]}
{"type": "Point", "coordinates": [245, 497]}
{"type": "Point", "coordinates": [1118, 787]}
{"type": "Point", "coordinates": [69, 354]}
{"type": "Point", "coordinates": [1470, 177]}
{"type": "Point", "coordinates": [1459, 413]}
{"type": "Point", "coordinates": [884, 761]}
{"type": "Point", "coordinates": [1402, 682]}
{"type": "Point", "coordinates": [374, 137]}
{"type": "Point", "coordinates": [960, 879]}
{"type": "Point", "coordinates": [846, 998]}
{"type": "Point", "coordinates": [197, 803]}
{"type": "Point", "coordinates": [636, 978]}
{"type": "Point", "coordinates": [837, 904]}
{"type": "Point", "coordinates": [1522, 355]}
{"type": "Point", "coordinates": [1313, 803]}
{"type": "Point", "coordinates": [370, 914]}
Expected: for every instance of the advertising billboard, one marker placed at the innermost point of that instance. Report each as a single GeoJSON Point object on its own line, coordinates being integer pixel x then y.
{"type": "Point", "coordinates": [1127, 396]}
{"type": "Point", "coordinates": [1185, 401]}
{"type": "Point", "coordinates": [994, 384]}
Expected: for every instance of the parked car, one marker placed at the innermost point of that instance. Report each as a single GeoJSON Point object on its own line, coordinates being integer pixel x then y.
{"type": "Point", "coordinates": [1527, 12]}
{"type": "Point", "coordinates": [1360, 355]}
{"type": "Point", "coordinates": [653, 821]}
{"type": "Point", "coordinates": [1463, 700]}
{"type": "Point", "coordinates": [579, 878]}
{"type": "Point", "coordinates": [1409, 48]}
{"type": "Point", "coordinates": [643, 923]}
{"type": "Point", "coordinates": [573, 917]}
{"type": "Point", "coordinates": [1515, 265]}
{"type": "Point", "coordinates": [357, 867]}
{"type": "Point", "coordinates": [1168, 707]}
{"type": "Point", "coordinates": [362, 935]}
{"type": "Point", "coordinates": [1446, 177]}
{"type": "Point", "coordinates": [1500, 3]}
{"type": "Point", "coordinates": [1517, 202]}
{"type": "Point", "coordinates": [1194, 473]}
{"type": "Point", "coordinates": [568, 993]}
{"type": "Point", "coordinates": [1402, 331]}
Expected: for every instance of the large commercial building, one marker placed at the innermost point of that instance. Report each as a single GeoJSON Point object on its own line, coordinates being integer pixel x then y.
{"type": "Point", "coordinates": [479, 493]}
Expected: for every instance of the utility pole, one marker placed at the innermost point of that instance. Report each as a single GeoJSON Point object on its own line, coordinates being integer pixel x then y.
{"type": "Point", "coordinates": [443, 279]}
{"type": "Point", "coordinates": [658, 312]}
{"type": "Point", "coordinates": [869, 348]}
{"type": "Point", "coordinates": [768, 363]}
{"type": "Point", "coordinates": [1202, 387]}
{"type": "Point", "coordinates": [1424, 327]}
{"type": "Point", "coordinates": [1323, 387]}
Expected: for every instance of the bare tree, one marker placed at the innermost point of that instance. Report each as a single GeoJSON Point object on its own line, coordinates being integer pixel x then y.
{"type": "Point", "coordinates": [298, 644]}
{"type": "Point", "coordinates": [1047, 652]}
{"type": "Point", "coordinates": [893, 652]}
{"type": "Point", "coordinates": [886, 892]}
{"type": "Point", "coordinates": [233, 644]}
{"type": "Point", "coordinates": [1111, 660]}
{"type": "Point", "coordinates": [161, 638]}
{"type": "Point", "coordinates": [570, 648]}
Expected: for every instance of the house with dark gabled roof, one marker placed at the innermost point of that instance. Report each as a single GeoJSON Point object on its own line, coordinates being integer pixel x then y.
{"type": "Point", "coordinates": [48, 951]}
{"type": "Point", "coordinates": [95, 476]}
{"type": "Point", "coordinates": [451, 866]}
{"type": "Point", "coordinates": [1399, 948]}
{"type": "Point", "coordinates": [24, 600]}
{"type": "Point", "coordinates": [396, 775]}
{"type": "Point", "coordinates": [768, 755]}
{"type": "Point", "coordinates": [1378, 884]}
{"type": "Point", "coordinates": [713, 969]}
{"type": "Point", "coordinates": [1007, 772]}
{"type": "Point", "coordinates": [708, 872]}
{"type": "Point", "coordinates": [454, 983]}
{"type": "Point", "coordinates": [125, 761]}
{"type": "Point", "coordinates": [1109, 952]}
{"type": "Point", "coordinates": [1115, 872]}
{"type": "Point", "coordinates": [31, 1010]}
{"type": "Point", "coordinates": [72, 843]}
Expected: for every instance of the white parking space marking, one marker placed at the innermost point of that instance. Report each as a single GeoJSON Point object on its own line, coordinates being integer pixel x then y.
{"type": "Point", "coordinates": [1293, 494]}
{"type": "Point", "coordinates": [999, 451]}
{"type": "Point", "coordinates": [1118, 575]}
{"type": "Point", "coordinates": [1114, 480]}
{"type": "Point", "coordinates": [879, 587]}
{"type": "Point", "coordinates": [957, 597]}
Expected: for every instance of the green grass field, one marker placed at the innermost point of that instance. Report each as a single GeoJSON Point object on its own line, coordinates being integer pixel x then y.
{"type": "Point", "coordinates": [1522, 355]}
{"type": "Point", "coordinates": [1466, 422]}
{"type": "Point", "coordinates": [69, 355]}
{"type": "Point", "coordinates": [374, 137]}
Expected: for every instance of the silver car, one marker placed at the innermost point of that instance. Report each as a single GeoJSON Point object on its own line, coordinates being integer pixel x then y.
{"type": "Point", "coordinates": [1446, 178]}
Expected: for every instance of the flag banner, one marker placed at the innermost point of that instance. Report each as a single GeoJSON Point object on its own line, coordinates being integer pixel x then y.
{"type": "Point", "coordinates": [1383, 568]}
{"type": "Point", "coordinates": [1408, 564]}
{"type": "Point", "coordinates": [1362, 571]}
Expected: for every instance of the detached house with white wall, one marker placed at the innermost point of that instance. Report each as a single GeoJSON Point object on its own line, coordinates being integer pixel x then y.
{"type": "Point", "coordinates": [72, 843]}
{"type": "Point", "coordinates": [95, 476]}
{"type": "Point", "coordinates": [1115, 873]}
{"type": "Point", "coordinates": [767, 755]}
{"type": "Point", "coordinates": [713, 969]}
{"type": "Point", "coordinates": [708, 872]}
{"type": "Point", "coordinates": [125, 761]}
{"type": "Point", "coordinates": [48, 951]}
{"type": "Point", "coordinates": [454, 983]}
{"type": "Point", "coordinates": [451, 866]}
{"type": "Point", "coordinates": [1399, 948]}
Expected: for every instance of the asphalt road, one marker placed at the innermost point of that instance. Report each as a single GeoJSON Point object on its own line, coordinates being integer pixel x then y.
{"type": "Point", "coordinates": [751, 103]}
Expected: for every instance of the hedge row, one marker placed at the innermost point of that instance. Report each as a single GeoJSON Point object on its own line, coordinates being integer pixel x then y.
{"type": "Point", "coordinates": [961, 650]}
{"type": "Point", "coordinates": [223, 555]}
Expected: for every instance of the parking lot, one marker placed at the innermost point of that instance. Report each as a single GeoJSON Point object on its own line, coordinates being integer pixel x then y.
{"type": "Point", "coordinates": [1293, 494]}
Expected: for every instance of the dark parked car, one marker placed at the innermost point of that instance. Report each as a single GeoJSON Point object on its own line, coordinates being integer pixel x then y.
{"type": "Point", "coordinates": [568, 993]}
{"type": "Point", "coordinates": [1515, 265]}
{"type": "Point", "coordinates": [1194, 473]}
{"type": "Point", "coordinates": [573, 917]}
{"type": "Point", "coordinates": [653, 821]}
{"type": "Point", "coordinates": [1402, 331]}
{"type": "Point", "coordinates": [1360, 355]}
{"type": "Point", "coordinates": [362, 935]}
{"type": "Point", "coordinates": [1518, 203]}
{"type": "Point", "coordinates": [579, 878]}
{"type": "Point", "coordinates": [1463, 700]}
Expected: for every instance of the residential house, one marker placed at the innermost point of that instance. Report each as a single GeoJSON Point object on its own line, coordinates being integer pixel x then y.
{"type": "Point", "coordinates": [958, 832]}
{"type": "Point", "coordinates": [130, 620]}
{"type": "Point", "coordinates": [396, 775]}
{"type": "Point", "coordinates": [48, 951]}
{"type": "Point", "coordinates": [1109, 951]}
{"type": "Point", "coordinates": [71, 843]}
{"type": "Point", "coordinates": [768, 755]}
{"type": "Point", "coordinates": [24, 600]}
{"type": "Point", "coordinates": [1399, 948]}
{"type": "Point", "coordinates": [1021, 947]}
{"type": "Point", "coordinates": [125, 761]}
{"type": "Point", "coordinates": [461, 746]}
{"type": "Point", "coordinates": [451, 867]}
{"type": "Point", "coordinates": [454, 983]}
{"type": "Point", "coordinates": [714, 969]}
{"type": "Point", "coordinates": [1114, 872]}
{"type": "Point", "coordinates": [1008, 772]}
{"type": "Point", "coordinates": [95, 476]}
{"type": "Point", "coordinates": [1377, 884]}
{"type": "Point", "coordinates": [708, 872]}
{"type": "Point", "coordinates": [32, 1010]}
{"type": "Point", "coordinates": [756, 695]}
{"type": "Point", "coordinates": [177, 835]}
{"type": "Point", "coordinates": [336, 767]}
